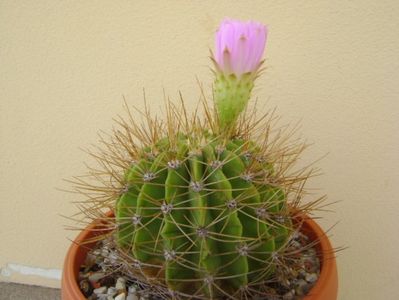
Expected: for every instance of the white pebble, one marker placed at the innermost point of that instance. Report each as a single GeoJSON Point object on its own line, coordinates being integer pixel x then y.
{"type": "Point", "coordinates": [111, 291]}
{"type": "Point", "coordinates": [132, 289]}
{"type": "Point", "coordinates": [132, 297]}
{"type": "Point", "coordinates": [104, 252]}
{"type": "Point", "coordinates": [302, 274]}
{"type": "Point", "coordinates": [302, 287]}
{"type": "Point", "coordinates": [289, 295]}
{"type": "Point", "coordinates": [121, 284]}
{"type": "Point", "coordinates": [100, 290]}
{"type": "Point", "coordinates": [121, 297]}
{"type": "Point", "coordinates": [312, 277]}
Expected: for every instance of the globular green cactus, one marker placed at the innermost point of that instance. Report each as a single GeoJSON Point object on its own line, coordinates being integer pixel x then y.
{"type": "Point", "coordinates": [202, 211]}
{"type": "Point", "coordinates": [203, 205]}
{"type": "Point", "coordinates": [202, 214]}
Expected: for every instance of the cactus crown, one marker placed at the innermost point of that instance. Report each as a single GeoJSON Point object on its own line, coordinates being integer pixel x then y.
{"type": "Point", "coordinates": [203, 204]}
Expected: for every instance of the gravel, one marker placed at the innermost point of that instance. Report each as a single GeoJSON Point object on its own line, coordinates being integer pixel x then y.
{"type": "Point", "coordinates": [99, 281]}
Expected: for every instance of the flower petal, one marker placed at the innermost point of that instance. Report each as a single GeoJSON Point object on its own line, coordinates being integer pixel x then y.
{"type": "Point", "coordinates": [244, 43]}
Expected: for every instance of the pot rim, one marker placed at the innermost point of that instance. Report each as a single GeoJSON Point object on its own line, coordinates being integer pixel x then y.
{"type": "Point", "coordinates": [325, 288]}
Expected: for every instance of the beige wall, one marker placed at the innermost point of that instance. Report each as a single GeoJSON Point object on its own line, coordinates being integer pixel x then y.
{"type": "Point", "coordinates": [65, 65]}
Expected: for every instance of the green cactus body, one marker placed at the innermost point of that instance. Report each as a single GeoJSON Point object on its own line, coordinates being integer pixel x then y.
{"type": "Point", "coordinates": [200, 216]}
{"type": "Point", "coordinates": [205, 209]}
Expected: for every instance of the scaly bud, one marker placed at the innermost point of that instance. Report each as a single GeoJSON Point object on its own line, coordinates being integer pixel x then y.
{"type": "Point", "coordinates": [239, 47]}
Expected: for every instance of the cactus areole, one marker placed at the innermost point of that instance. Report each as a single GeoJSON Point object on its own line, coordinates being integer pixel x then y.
{"type": "Point", "coordinates": [203, 205]}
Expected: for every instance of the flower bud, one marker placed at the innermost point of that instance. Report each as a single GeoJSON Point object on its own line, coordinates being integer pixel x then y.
{"type": "Point", "coordinates": [238, 53]}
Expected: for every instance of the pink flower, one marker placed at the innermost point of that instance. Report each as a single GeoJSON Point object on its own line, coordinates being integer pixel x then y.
{"type": "Point", "coordinates": [239, 46]}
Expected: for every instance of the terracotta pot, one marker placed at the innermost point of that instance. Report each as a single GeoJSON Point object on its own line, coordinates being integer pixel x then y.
{"type": "Point", "coordinates": [326, 287]}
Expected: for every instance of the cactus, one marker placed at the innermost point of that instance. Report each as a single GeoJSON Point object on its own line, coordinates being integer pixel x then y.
{"type": "Point", "coordinates": [203, 205]}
